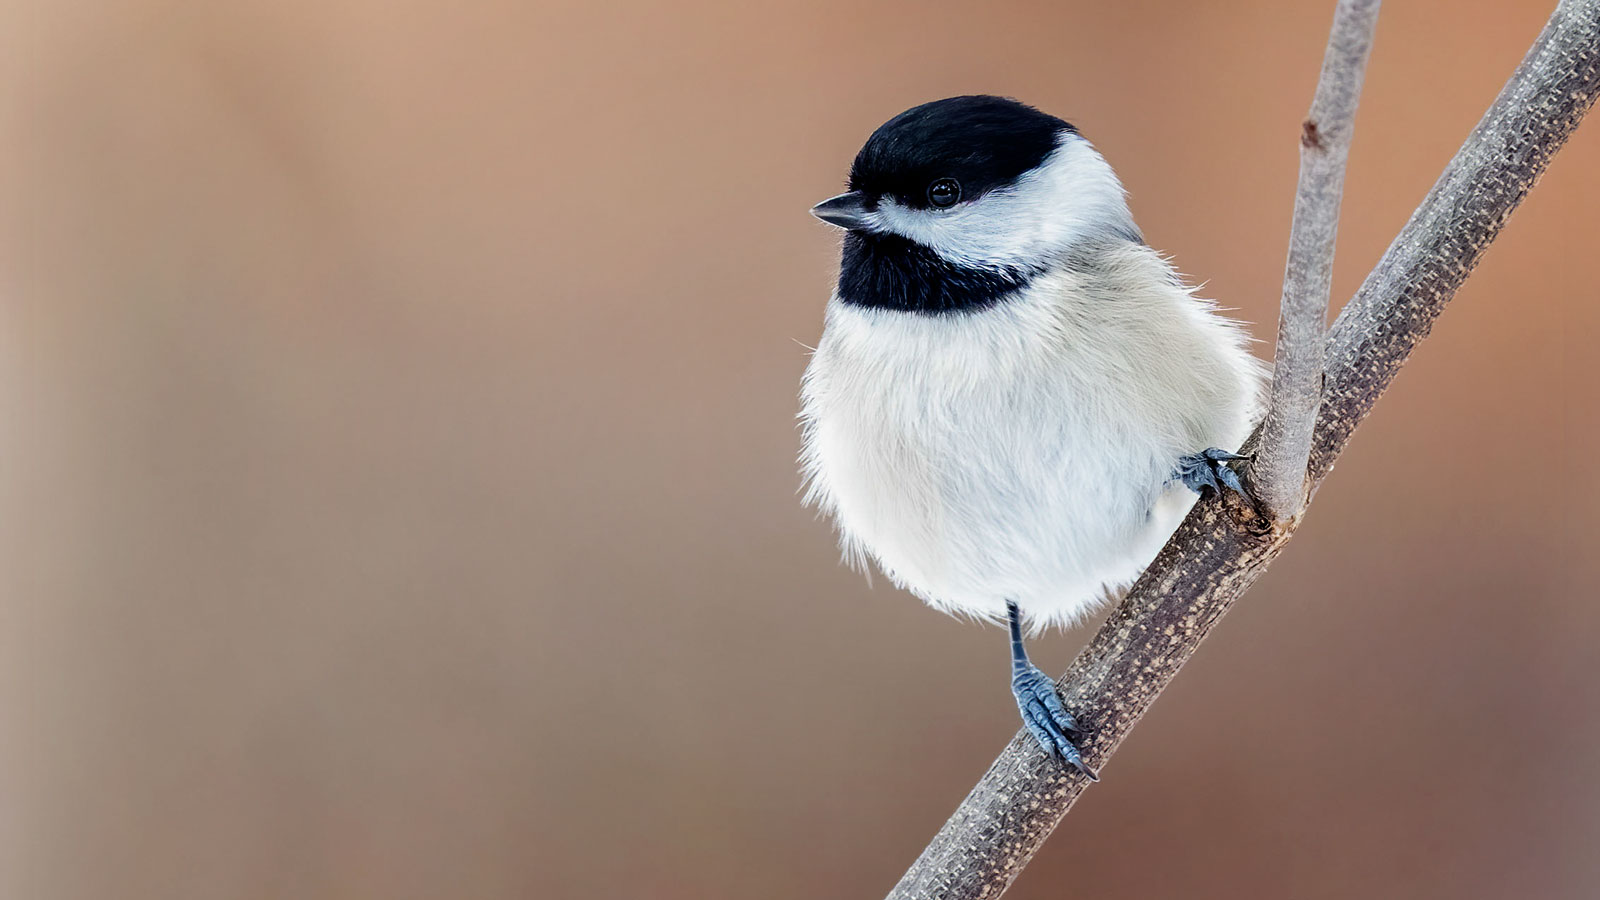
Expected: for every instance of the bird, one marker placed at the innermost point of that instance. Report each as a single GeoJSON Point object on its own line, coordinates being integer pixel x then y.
{"type": "Point", "coordinates": [1014, 400]}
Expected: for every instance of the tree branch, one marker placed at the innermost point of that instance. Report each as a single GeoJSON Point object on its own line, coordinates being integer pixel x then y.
{"type": "Point", "coordinates": [1279, 472]}
{"type": "Point", "coordinates": [1221, 548]}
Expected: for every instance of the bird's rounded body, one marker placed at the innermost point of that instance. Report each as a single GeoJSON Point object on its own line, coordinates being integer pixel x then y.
{"type": "Point", "coordinates": [1014, 399]}
{"type": "Point", "coordinates": [1010, 383]}
{"type": "Point", "coordinates": [1024, 452]}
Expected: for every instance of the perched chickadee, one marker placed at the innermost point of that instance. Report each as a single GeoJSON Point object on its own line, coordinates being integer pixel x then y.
{"type": "Point", "coordinates": [1014, 400]}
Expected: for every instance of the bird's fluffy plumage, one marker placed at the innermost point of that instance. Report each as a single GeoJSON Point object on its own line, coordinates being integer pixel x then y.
{"type": "Point", "coordinates": [1023, 449]}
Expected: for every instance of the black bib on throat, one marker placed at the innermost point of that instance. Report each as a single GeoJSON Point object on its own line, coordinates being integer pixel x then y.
{"type": "Point", "coordinates": [887, 271]}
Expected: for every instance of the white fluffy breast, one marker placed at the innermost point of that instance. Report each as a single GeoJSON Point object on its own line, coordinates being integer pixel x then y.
{"type": "Point", "coordinates": [1022, 452]}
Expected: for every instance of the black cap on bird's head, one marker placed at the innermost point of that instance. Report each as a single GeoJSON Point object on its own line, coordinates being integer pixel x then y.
{"type": "Point", "coordinates": [959, 203]}
{"type": "Point", "coordinates": [943, 153]}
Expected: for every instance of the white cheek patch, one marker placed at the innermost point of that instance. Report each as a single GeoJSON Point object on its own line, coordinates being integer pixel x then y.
{"type": "Point", "coordinates": [1072, 196]}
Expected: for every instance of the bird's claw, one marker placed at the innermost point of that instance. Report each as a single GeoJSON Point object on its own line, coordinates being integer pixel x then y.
{"type": "Point", "coordinates": [1047, 719]}
{"type": "Point", "coordinates": [1209, 469]}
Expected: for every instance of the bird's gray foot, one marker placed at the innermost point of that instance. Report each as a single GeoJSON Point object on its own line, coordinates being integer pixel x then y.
{"type": "Point", "coordinates": [1209, 469]}
{"type": "Point", "coordinates": [1042, 712]}
{"type": "Point", "coordinates": [1046, 719]}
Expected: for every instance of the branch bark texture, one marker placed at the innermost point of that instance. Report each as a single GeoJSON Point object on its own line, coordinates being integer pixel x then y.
{"type": "Point", "coordinates": [1280, 468]}
{"type": "Point", "coordinates": [1220, 550]}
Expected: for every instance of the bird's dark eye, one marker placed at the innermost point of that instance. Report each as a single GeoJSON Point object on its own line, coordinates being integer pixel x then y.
{"type": "Point", "coordinates": [944, 193]}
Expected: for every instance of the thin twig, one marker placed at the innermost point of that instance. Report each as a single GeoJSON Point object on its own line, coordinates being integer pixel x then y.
{"type": "Point", "coordinates": [1221, 548]}
{"type": "Point", "coordinates": [1279, 473]}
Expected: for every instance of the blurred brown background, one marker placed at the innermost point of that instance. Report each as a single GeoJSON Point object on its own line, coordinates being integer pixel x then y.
{"type": "Point", "coordinates": [396, 464]}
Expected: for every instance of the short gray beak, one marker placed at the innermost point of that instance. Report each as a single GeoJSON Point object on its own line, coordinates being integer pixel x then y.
{"type": "Point", "coordinates": [846, 210]}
